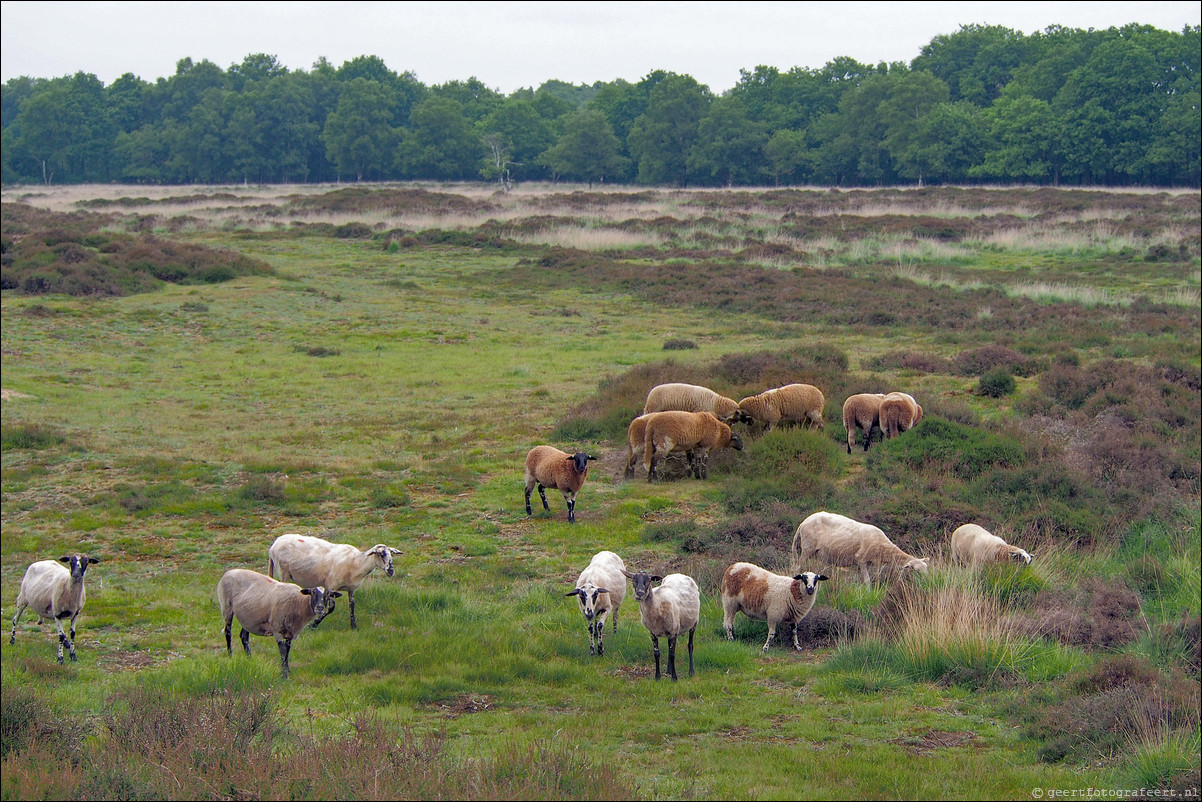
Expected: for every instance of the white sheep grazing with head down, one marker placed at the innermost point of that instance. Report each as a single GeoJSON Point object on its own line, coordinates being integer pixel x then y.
{"type": "Point", "coordinates": [696, 433]}
{"type": "Point", "coordinates": [794, 403]}
{"type": "Point", "coordinates": [311, 562]}
{"type": "Point", "coordinates": [861, 411]}
{"type": "Point", "coordinates": [547, 466]}
{"type": "Point", "coordinates": [899, 412]}
{"type": "Point", "coordinates": [667, 611]}
{"type": "Point", "coordinates": [765, 596]}
{"type": "Point", "coordinates": [680, 397]}
{"type": "Point", "coordinates": [831, 539]}
{"type": "Point", "coordinates": [54, 591]}
{"type": "Point", "coordinates": [600, 589]}
{"type": "Point", "coordinates": [264, 606]}
{"type": "Point", "coordinates": [972, 544]}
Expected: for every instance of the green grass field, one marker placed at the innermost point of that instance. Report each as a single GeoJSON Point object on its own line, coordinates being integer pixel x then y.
{"type": "Point", "coordinates": [385, 388]}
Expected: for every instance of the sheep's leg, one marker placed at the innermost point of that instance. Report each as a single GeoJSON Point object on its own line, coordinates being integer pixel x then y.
{"type": "Point", "coordinates": [601, 631]}
{"type": "Point", "coordinates": [728, 621]}
{"type": "Point", "coordinates": [864, 574]}
{"type": "Point", "coordinates": [245, 636]}
{"type": "Point", "coordinates": [529, 488]}
{"type": "Point", "coordinates": [592, 637]}
{"type": "Point", "coordinates": [672, 657]}
{"type": "Point", "coordinates": [542, 493]}
{"type": "Point", "coordinates": [351, 601]}
{"type": "Point", "coordinates": [796, 645]}
{"type": "Point", "coordinates": [771, 635]}
{"type": "Point", "coordinates": [691, 631]}
{"type": "Point", "coordinates": [655, 650]}
{"type": "Point", "coordinates": [12, 638]}
{"type": "Point", "coordinates": [229, 645]}
{"type": "Point", "coordinates": [285, 648]}
{"type": "Point", "coordinates": [71, 643]}
{"type": "Point", "coordinates": [62, 638]}
{"type": "Point", "coordinates": [570, 499]}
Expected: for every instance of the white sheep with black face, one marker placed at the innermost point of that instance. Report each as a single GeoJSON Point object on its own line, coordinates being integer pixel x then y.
{"type": "Point", "coordinates": [667, 611]}
{"type": "Point", "coordinates": [547, 466]}
{"type": "Point", "coordinates": [764, 596]}
{"type": "Point", "coordinates": [312, 561]}
{"type": "Point", "coordinates": [973, 544]}
{"type": "Point", "coordinates": [600, 589]}
{"type": "Point", "coordinates": [54, 589]}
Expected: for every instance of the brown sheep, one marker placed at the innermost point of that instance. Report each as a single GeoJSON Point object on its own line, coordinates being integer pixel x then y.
{"type": "Point", "coordinates": [547, 466]}
{"type": "Point", "coordinates": [898, 412]}
{"type": "Point", "coordinates": [677, 397]}
{"type": "Point", "coordinates": [793, 403]}
{"type": "Point", "coordinates": [692, 432]}
{"type": "Point", "coordinates": [861, 411]}
{"type": "Point", "coordinates": [765, 596]}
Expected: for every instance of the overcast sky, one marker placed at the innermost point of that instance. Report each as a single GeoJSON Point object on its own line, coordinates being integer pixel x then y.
{"type": "Point", "coordinates": [511, 45]}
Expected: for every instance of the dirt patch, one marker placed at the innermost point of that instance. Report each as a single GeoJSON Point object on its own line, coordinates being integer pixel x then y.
{"type": "Point", "coordinates": [8, 395]}
{"type": "Point", "coordinates": [128, 661]}
{"type": "Point", "coordinates": [935, 739]}
{"type": "Point", "coordinates": [465, 704]}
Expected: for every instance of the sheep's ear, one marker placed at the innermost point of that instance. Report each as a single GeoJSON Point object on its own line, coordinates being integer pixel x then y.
{"type": "Point", "coordinates": [395, 551]}
{"type": "Point", "coordinates": [821, 577]}
{"type": "Point", "coordinates": [657, 579]}
{"type": "Point", "coordinates": [335, 595]}
{"type": "Point", "coordinates": [576, 592]}
{"type": "Point", "coordinates": [602, 590]}
{"type": "Point", "coordinates": [66, 560]}
{"type": "Point", "coordinates": [306, 592]}
{"type": "Point", "coordinates": [93, 560]}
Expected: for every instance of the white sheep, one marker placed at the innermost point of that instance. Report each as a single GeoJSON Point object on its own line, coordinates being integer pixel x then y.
{"type": "Point", "coordinates": [794, 403]}
{"type": "Point", "coordinates": [54, 591]}
{"type": "Point", "coordinates": [696, 433]}
{"type": "Point", "coordinates": [861, 411]}
{"type": "Point", "coordinates": [679, 397]}
{"type": "Point", "coordinates": [310, 562]}
{"type": "Point", "coordinates": [765, 596]}
{"type": "Point", "coordinates": [832, 539]}
{"type": "Point", "coordinates": [600, 589]}
{"type": "Point", "coordinates": [667, 611]}
{"type": "Point", "coordinates": [898, 412]}
{"type": "Point", "coordinates": [972, 544]}
{"type": "Point", "coordinates": [264, 606]}
{"type": "Point", "coordinates": [547, 466]}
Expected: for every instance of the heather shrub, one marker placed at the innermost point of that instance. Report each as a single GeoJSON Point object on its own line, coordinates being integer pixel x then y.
{"type": "Point", "coordinates": [996, 383]}
{"type": "Point", "coordinates": [909, 360]}
{"type": "Point", "coordinates": [940, 445]}
{"type": "Point", "coordinates": [981, 360]}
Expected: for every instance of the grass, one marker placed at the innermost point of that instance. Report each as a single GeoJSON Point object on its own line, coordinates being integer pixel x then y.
{"type": "Point", "coordinates": [373, 396]}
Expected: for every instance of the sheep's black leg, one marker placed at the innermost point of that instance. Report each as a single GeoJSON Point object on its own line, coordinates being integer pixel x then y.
{"type": "Point", "coordinates": [71, 642]}
{"type": "Point", "coordinates": [571, 500]}
{"type": "Point", "coordinates": [691, 631]}
{"type": "Point", "coordinates": [672, 657]}
{"type": "Point", "coordinates": [542, 493]}
{"type": "Point", "coordinates": [245, 636]}
{"type": "Point", "coordinates": [285, 647]}
{"type": "Point", "coordinates": [351, 602]}
{"type": "Point", "coordinates": [61, 639]}
{"type": "Point", "coordinates": [528, 510]}
{"type": "Point", "coordinates": [12, 638]}
{"type": "Point", "coordinates": [229, 646]}
{"type": "Point", "coordinates": [655, 649]}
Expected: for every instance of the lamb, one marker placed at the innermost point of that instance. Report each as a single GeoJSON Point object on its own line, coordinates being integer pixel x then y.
{"type": "Point", "coordinates": [600, 589]}
{"type": "Point", "coordinates": [972, 544]}
{"type": "Point", "coordinates": [838, 540]}
{"type": "Point", "coordinates": [310, 561]}
{"type": "Point", "coordinates": [793, 403]}
{"type": "Point", "coordinates": [267, 607]}
{"type": "Point", "coordinates": [693, 432]}
{"type": "Point", "coordinates": [766, 596]}
{"type": "Point", "coordinates": [667, 611]}
{"type": "Point", "coordinates": [547, 466]}
{"type": "Point", "coordinates": [898, 412]}
{"type": "Point", "coordinates": [861, 411]}
{"type": "Point", "coordinates": [54, 591]}
{"type": "Point", "coordinates": [680, 397]}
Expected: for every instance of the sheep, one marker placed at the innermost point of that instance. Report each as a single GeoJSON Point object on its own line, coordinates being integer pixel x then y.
{"type": "Point", "coordinates": [667, 611]}
{"type": "Point", "coordinates": [54, 591]}
{"type": "Point", "coordinates": [547, 466]}
{"type": "Point", "coordinates": [600, 589]}
{"type": "Point", "coordinates": [898, 412]}
{"type": "Point", "coordinates": [264, 606]}
{"type": "Point", "coordinates": [678, 397]}
{"type": "Point", "coordinates": [838, 540]}
{"type": "Point", "coordinates": [793, 403]}
{"type": "Point", "coordinates": [636, 434]}
{"type": "Point", "coordinates": [972, 544]}
{"type": "Point", "coordinates": [766, 596]}
{"type": "Point", "coordinates": [694, 432]}
{"type": "Point", "coordinates": [310, 561]}
{"type": "Point", "coordinates": [861, 411]}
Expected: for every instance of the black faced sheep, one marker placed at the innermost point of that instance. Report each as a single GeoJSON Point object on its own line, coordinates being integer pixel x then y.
{"type": "Point", "coordinates": [794, 403]}
{"type": "Point", "coordinates": [831, 539]}
{"type": "Point", "coordinates": [600, 589]}
{"type": "Point", "coordinates": [547, 466]}
{"type": "Point", "coordinates": [667, 611]}
{"type": "Point", "coordinates": [973, 544]}
{"type": "Point", "coordinates": [766, 596]}
{"type": "Point", "coordinates": [693, 432]}
{"type": "Point", "coordinates": [54, 591]}
{"type": "Point", "coordinates": [311, 562]}
{"type": "Point", "coordinates": [264, 606]}
{"type": "Point", "coordinates": [898, 412]}
{"type": "Point", "coordinates": [861, 411]}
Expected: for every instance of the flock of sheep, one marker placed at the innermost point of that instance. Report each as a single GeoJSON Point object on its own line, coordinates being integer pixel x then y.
{"type": "Point", "coordinates": [677, 418]}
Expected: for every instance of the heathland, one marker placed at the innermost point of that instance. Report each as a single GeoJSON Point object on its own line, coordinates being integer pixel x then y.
{"type": "Point", "coordinates": [190, 372]}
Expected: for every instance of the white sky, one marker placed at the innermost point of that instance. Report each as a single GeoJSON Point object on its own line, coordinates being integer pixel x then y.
{"type": "Point", "coordinates": [509, 45]}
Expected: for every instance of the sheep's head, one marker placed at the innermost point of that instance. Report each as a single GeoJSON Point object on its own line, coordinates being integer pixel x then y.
{"type": "Point", "coordinates": [588, 595]}
{"type": "Point", "coordinates": [642, 583]}
{"type": "Point", "coordinates": [1018, 555]}
{"type": "Point", "coordinates": [321, 602]}
{"type": "Point", "coordinates": [810, 580]}
{"type": "Point", "coordinates": [736, 442]}
{"type": "Point", "coordinates": [78, 563]}
{"type": "Point", "coordinates": [384, 553]}
{"type": "Point", "coordinates": [918, 564]}
{"type": "Point", "coordinates": [580, 459]}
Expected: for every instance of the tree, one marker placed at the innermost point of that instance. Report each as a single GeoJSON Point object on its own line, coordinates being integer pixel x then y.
{"type": "Point", "coordinates": [663, 135]}
{"type": "Point", "coordinates": [358, 135]}
{"type": "Point", "coordinates": [786, 155]}
{"type": "Point", "coordinates": [1022, 136]}
{"type": "Point", "coordinates": [440, 143]}
{"type": "Point", "coordinates": [588, 150]}
{"type": "Point", "coordinates": [516, 130]}
{"type": "Point", "coordinates": [729, 147]}
{"type": "Point", "coordinates": [948, 143]}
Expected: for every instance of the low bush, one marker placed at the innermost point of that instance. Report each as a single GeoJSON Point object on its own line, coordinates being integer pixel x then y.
{"type": "Point", "coordinates": [996, 383]}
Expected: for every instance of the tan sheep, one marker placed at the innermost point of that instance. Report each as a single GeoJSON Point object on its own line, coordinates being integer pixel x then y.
{"type": "Point", "coordinates": [973, 544]}
{"type": "Point", "coordinates": [55, 592]}
{"type": "Point", "coordinates": [765, 596]}
{"type": "Point", "coordinates": [679, 397]}
{"type": "Point", "coordinates": [861, 411]}
{"type": "Point", "coordinates": [667, 611]}
{"type": "Point", "coordinates": [898, 412]}
{"type": "Point", "coordinates": [696, 433]}
{"type": "Point", "coordinates": [547, 466]}
{"type": "Point", "coordinates": [831, 539]}
{"type": "Point", "coordinates": [794, 403]}
{"type": "Point", "coordinates": [636, 435]}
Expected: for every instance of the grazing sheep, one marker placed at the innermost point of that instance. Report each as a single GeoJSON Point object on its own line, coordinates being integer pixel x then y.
{"type": "Point", "coordinates": [54, 591]}
{"type": "Point", "coordinates": [832, 539]}
{"type": "Point", "coordinates": [636, 434]}
{"type": "Point", "coordinates": [766, 596]}
{"type": "Point", "coordinates": [311, 562]}
{"type": "Point", "coordinates": [898, 412]}
{"type": "Point", "coordinates": [264, 606]}
{"type": "Point", "coordinates": [600, 589]}
{"type": "Point", "coordinates": [547, 466]}
{"type": "Point", "coordinates": [667, 611]}
{"type": "Point", "coordinates": [972, 544]}
{"type": "Point", "coordinates": [696, 433]}
{"type": "Point", "coordinates": [861, 411]}
{"type": "Point", "coordinates": [793, 403]}
{"type": "Point", "coordinates": [677, 397]}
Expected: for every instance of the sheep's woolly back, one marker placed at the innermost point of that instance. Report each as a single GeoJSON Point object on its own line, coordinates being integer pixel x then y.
{"type": "Point", "coordinates": [899, 412]}
{"type": "Point", "coordinates": [47, 589]}
{"type": "Point", "coordinates": [262, 605]}
{"type": "Point", "coordinates": [550, 467]}
{"type": "Point", "coordinates": [793, 403]}
{"type": "Point", "coordinates": [680, 397]}
{"type": "Point", "coordinates": [672, 608]}
{"type": "Point", "coordinates": [311, 561]}
{"type": "Point", "coordinates": [973, 544]}
{"type": "Point", "coordinates": [832, 539]}
{"type": "Point", "coordinates": [861, 411]}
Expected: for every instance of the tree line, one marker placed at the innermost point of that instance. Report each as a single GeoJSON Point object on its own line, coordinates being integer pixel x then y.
{"type": "Point", "coordinates": [987, 104]}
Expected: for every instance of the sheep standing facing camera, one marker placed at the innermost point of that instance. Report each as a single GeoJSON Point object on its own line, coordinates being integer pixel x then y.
{"type": "Point", "coordinates": [54, 591]}
{"type": "Point", "coordinates": [765, 596]}
{"type": "Point", "coordinates": [600, 589]}
{"type": "Point", "coordinates": [547, 466]}
{"type": "Point", "coordinates": [667, 611]}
